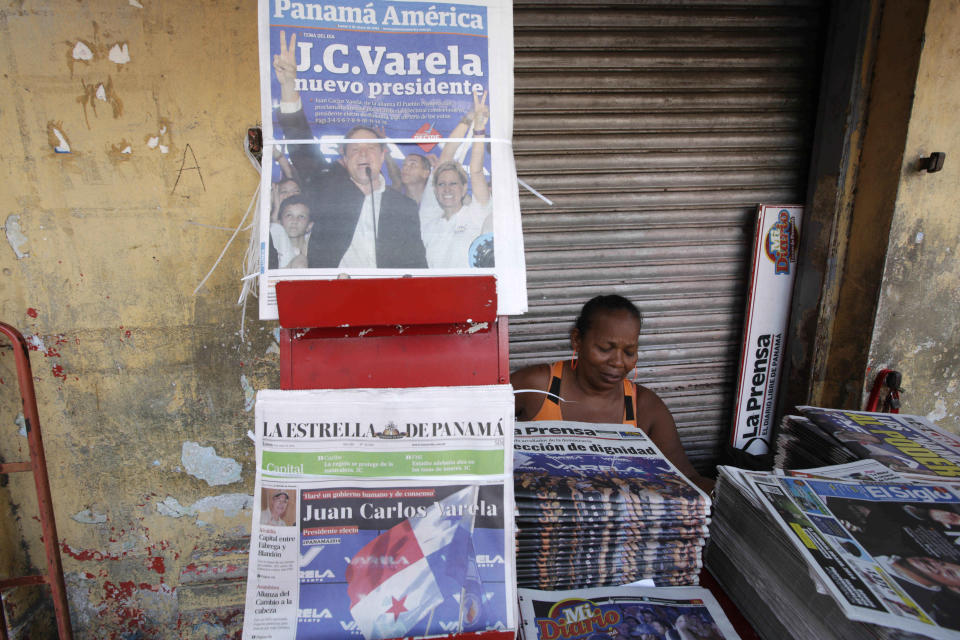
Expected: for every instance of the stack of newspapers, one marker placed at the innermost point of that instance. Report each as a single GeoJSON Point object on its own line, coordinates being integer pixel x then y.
{"type": "Point", "coordinates": [382, 513]}
{"type": "Point", "coordinates": [599, 505]}
{"type": "Point", "coordinates": [847, 551]}
{"type": "Point", "coordinates": [678, 613]}
{"type": "Point", "coordinates": [911, 445]}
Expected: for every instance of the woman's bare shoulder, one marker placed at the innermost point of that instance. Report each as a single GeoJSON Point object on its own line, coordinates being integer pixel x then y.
{"type": "Point", "coordinates": [648, 398]}
{"type": "Point", "coordinates": [536, 376]}
{"type": "Point", "coordinates": [651, 410]}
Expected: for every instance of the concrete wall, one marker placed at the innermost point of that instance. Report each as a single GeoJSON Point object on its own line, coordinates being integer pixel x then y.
{"type": "Point", "coordinates": [145, 388]}
{"type": "Point", "coordinates": [879, 283]}
{"type": "Point", "coordinates": [124, 174]}
{"type": "Point", "coordinates": [917, 327]}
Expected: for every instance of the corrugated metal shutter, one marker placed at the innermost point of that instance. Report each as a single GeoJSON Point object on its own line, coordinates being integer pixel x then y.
{"type": "Point", "coordinates": [656, 128]}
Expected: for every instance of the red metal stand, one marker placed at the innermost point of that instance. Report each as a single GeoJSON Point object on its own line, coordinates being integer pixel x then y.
{"type": "Point", "coordinates": [406, 332]}
{"type": "Point", "coordinates": [38, 466]}
{"type": "Point", "coordinates": [393, 332]}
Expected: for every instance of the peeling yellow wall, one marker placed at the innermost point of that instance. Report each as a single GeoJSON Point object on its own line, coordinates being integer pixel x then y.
{"type": "Point", "coordinates": [142, 385]}
{"type": "Point", "coordinates": [917, 327]}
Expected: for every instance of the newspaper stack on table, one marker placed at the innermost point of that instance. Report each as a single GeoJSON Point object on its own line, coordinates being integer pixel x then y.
{"type": "Point", "coordinates": [382, 513]}
{"type": "Point", "coordinates": [688, 613]}
{"type": "Point", "coordinates": [801, 444]}
{"type": "Point", "coordinates": [817, 555]}
{"type": "Point", "coordinates": [599, 505]}
{"type": "Point", "coordinates": [907, 444]}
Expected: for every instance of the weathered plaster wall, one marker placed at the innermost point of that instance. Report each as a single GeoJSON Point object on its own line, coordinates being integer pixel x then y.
{"type": "Point", "coordinates": [917, 328]}
{"type": "Point", "coordinates": [124, 174]}
{"type": "Point", "coordinates": [850, 300]}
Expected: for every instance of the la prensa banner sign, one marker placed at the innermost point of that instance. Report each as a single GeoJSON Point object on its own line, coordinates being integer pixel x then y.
{"type": "Point", "coordinates": [772, 274]}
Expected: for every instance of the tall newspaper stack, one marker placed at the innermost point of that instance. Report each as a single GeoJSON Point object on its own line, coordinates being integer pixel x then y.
{"type": "Point", "coordinates": [382, 513]}
{"type": "Point", "coordinates": [599, 505]}
{"type": "Point", "coordinates": [866, 549]}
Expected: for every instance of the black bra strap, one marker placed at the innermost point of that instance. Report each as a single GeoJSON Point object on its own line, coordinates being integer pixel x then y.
{"type": "Point", "coordinates": [554, 391]}
{"type": "Point", "coordinates": [628, 407]}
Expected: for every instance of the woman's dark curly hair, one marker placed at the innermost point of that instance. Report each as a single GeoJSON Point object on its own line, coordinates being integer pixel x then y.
{"type": "Point", "coordinates": [599, 304]}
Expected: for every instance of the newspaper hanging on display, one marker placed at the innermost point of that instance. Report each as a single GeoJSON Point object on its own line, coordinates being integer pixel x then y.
{"type": "Point", "coordinates": [774, 268]}
{"type": "Point", "coordinates": [388, 128]}
{"type": "Point", "coordinates": [383, 513]}
{"type": "Point", "coordinates": [886, 552]}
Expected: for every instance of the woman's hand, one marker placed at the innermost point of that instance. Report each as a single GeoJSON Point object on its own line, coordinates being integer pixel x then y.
{"type": "Point", "coordinates": [481, 113]}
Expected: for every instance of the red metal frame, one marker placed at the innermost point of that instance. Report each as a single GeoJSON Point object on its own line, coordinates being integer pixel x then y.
{"type": "Point", "coordinates": [399, 332]}
{"type": "Point", "coordinates": [37, 465]}
{"type": "Point", "coordinates": [393, 332]}
{"type": "Point", "coordinates": [386, 301]}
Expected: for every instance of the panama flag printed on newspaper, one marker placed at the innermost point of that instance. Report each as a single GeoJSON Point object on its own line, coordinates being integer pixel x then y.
{"type": "Point", "coordinates": [390, 581]}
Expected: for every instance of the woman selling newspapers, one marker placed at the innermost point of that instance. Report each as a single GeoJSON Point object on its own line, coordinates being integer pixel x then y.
{"type": "Point", "coordinates": [593, 386]}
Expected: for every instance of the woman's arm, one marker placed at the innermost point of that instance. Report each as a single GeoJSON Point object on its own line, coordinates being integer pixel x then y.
{"type": "Point", "coordinates": [289, 171]}
{"type": "Point", "coordinates": [533, 377]}
{"type": "Point", "coordinates": [274, 202]}
{"type": "Point", "coordinates": [654, 418]}
{"type": "Point", "coordinates": [478, 183]}
{"type": "Point", "coordinates": [449, 149]}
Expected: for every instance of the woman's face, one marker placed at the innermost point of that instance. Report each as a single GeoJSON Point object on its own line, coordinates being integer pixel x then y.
{"type": "Point", "coordinates": [450, 190]}
{"type": "Point", "coordinates": [607, 352]}
{"type": "Point", "coordinates": [278, 505]}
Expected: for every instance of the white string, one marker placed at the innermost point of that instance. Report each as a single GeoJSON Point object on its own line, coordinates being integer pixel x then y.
{"type": "Point", "coordinates": [534, 191]}
{"type": "Point", "coordinates": [250, 156]}
{"type": "Point", "coordinates": [227, 246]}
{"type": "Point", "coordinates": [326, 140]}
{"type": "Point", "coordinates": [251, 257]}
{"type": "Point", "coordinates": [546, 393]}
{"type": "Point", "coordinates": [251, 267]}
{"type": "Point", "coordinates": [211, 226]}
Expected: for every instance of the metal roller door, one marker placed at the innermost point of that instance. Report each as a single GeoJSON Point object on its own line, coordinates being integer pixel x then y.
{"type": "Point", "coordinates": [656, 128]}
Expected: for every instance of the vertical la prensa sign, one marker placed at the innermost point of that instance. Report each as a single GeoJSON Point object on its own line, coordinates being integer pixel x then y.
{"type": "Point", "coordinates": [768, 310]}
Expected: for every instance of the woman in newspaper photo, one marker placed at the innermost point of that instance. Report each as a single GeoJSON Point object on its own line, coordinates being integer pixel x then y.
{"type": "Point", "coordinates": [458, 218]}
{"type": "Point", "coordinates": [275, 513]}
{"type": "Point", "coordinates": [593, 386]}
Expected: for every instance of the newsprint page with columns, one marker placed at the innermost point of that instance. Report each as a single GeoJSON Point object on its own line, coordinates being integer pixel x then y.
{"type": "Point", "coordinates": [383, 513]}
{"type": "Point", "coordinates": [388, 131]}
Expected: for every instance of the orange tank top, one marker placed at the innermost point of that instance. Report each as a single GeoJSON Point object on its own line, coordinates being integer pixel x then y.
{"type": "Point", "coordinates": [550, 409]}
